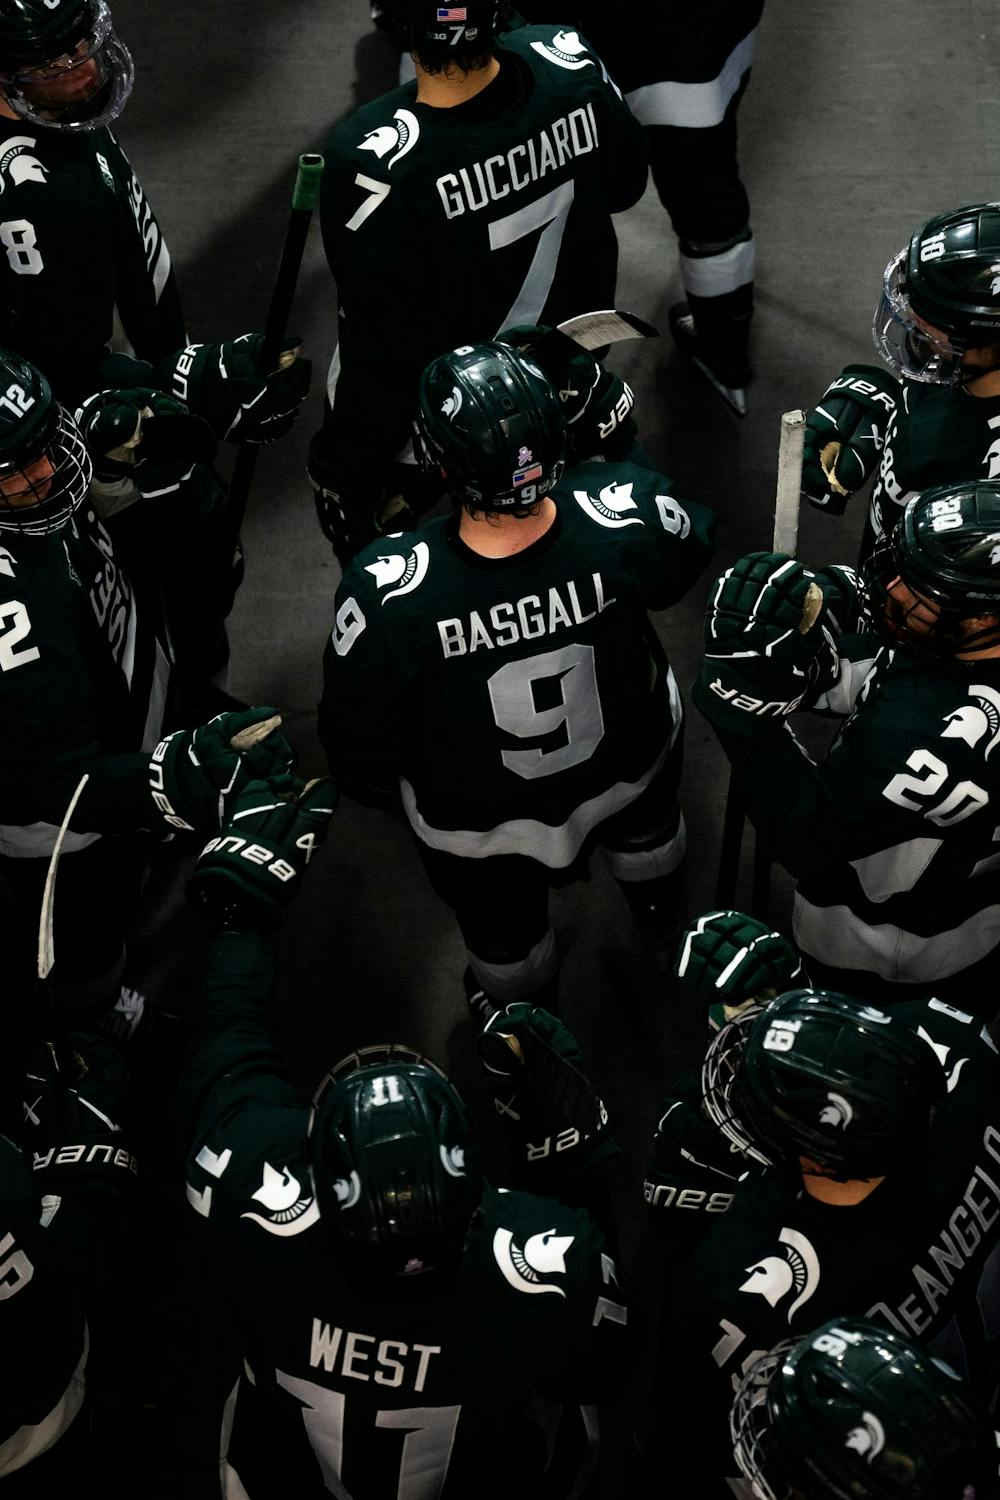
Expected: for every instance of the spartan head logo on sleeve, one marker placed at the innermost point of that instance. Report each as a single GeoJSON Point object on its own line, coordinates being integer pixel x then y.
{"type": "Point", "coordinates": [17, 162]}
{"type": "Point", "coordinates": [777, 1276]}
{"type": "Point", "coordinates": [609, 507]}
{"type": "Point", "coordinates": [542, 1255]}
{"type": "Point", "coordinates": [289, 1206]}
{"type": "Point", "coordinates": [566, 50]}
{"type": "Point", "coordinates": [405, 572]}
{"type": "Point", "coordinates": [977, 722]}
{"type": "Point", "coordinates": [393, 141]}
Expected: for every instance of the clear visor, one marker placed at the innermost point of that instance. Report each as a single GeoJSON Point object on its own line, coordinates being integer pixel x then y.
{"type": "Point", "coordinates": [913, 349]}
{"type": "Point", "coordinates": [83, 88]}
{"type": "Point", "coordinates": [718, 1079]}
{"type": "Point", "coordinates": [40, 496]}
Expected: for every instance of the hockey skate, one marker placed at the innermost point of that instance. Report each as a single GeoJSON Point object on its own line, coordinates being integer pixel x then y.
{"type": "Point", "coordinates": [727, 370]}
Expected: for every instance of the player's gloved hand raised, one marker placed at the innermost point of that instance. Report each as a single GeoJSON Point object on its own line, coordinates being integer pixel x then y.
{"type": "Point", "coordinates": [694, 1172]}
{"type": "Point", "coordinates": [228, 385]}
{"type": "Point", "coordinates": [195, 775]}
{"type": "Point", "coordinates": [596, 403]}
{"type": "Point", "coordinates": [78, 1115]}
{"type": "Point", "coordinates": [142, 436]}
{"type": "Point", "coordinates": [844, 435]}
{"type": "Point", "coordinates": [531, 1062]}
{"type": "Point", "coordinates": [249, 874]}
{"type": "Point", "coordinates": [766, 644]}
{"type": "Point", "coordinates": [727, 960]}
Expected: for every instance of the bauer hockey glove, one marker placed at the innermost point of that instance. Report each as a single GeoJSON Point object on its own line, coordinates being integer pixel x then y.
{"type": "Point", "coordinates": [143, 441]}
{"type": "Point", "coordinates": [556, 1120]}
{"type": "Point", "coordinates": [844, 435]}
{"type": "Point", "coordinates": [78, 1105]}
{"type": "Point", "coordinates": [727, 960]}
{"type": "Point", "coordinates": [596, 403]}
{"type": "Point", "coordinates": [226, 384]}
{"type": "Point", "coordinates": [694, 1173]}
{"type": "Point", "coordinates": [249, 874]}
{"type": "Point", "coordinates": [766, 644]}
{"type": "Point", "coordinates": [195, 775]}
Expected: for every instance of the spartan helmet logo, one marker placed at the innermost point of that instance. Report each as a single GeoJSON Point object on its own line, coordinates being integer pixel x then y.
{"type": "Point", "coordinates": [407, 571]}
{"type": "Point", "coordinates": [995, 283]}
{"type": "Point", "coordinates": [837, 1113]}
{"type": "Point", "coordinates": [16, 160]}
{"type": "Point", "coordinates": [453, 1160]}
{"type": "Point", "coordinates": [452, 405]}
{"type": "Point", "coordinates": [995, 555]}
{"type": "Point", "coordinates": [977, 720]}
{"type": "Point", "coordinates": [400, 137]}
{"type": "Point", "coordinates": [287, 1208]}
{"type": "Point", "coordinates": [776, 1276]}
{"type": "Point", "coordinates": [609, 506]}
{"type": "Point", "coordinates": [544, 1254]}
{"type": "Point", "coordinates": [868, 1438]}
{"type": "Point", "coordinates": [347, 1190]}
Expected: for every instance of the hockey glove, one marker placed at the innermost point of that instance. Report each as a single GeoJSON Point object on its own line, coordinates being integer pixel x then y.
{"type": "Point", "coordinates": [225, 384]}
{"type": "Point", "coordinates": [694, 1172]}
{"type": "Point", "coordinates": [844, 435]}
{"type": "Point", "coordinates": [597, 404]}
{"type": "Point", "coordinates": [78, 1105]}
{"type": "Point", "coordinates": [249, 874]}
{"type": "Point", "coordinates": [195, 775]}
{"type": "Point", "coordinates": [728, 960]}
{"type": "Point", "coordinates": [346, 517]}
{"type": "Point", "coordinates": [766, 644]}
{"type": "Point", "coordinates": [556, 1120]}
{"type": "Point", "coordinates": [141, 437]}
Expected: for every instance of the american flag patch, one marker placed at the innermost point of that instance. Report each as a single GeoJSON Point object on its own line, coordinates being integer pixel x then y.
{"type": "Point", "coordinates": [452, 13]}
{"type": "Point", "coordinates": [524, 476]}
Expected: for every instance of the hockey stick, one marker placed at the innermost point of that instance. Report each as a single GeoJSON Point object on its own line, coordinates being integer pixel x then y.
{"type": "Point", "coordinates": [784, 539]}
{"type": "Point", "coordinates": [787, 498]}
{"type": "Point", "coordinates": [610, 325]}
{"type": "Point", "coordinates": [304, 196]}
{"type": "Point", "coordinates": [46, 917]}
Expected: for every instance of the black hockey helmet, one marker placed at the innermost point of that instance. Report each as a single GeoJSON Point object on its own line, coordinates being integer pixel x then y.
{"type": "Point", "coordinates": [62, 64]}
{"type": "Point", "coordinates": [856, 1412]}
{"type": "Point", "coordinates": [444, 34]}
{"type": "Point", "coordinates": [490, 419]}
{"type": "Point", "coordinates": [945, 547]}
{"type": "Point", "coordinates": [824, 1076]}
{"type": "Point", "coordinates": [947, 277]}
{"type": "Point", "coordinates": [44, 465]}
{"type": "Point", "coordinates": [395, 1168]}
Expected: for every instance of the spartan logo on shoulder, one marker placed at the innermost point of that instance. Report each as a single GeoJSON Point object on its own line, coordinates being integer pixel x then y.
{"type": "Point", "coordinates": [609, 507]}
{"type": "Point", "coordinates": [838, 1112]}
{"type": "Point", "coordinates": [868, 1438]}
{"type": "Point", "coordinates": [797, 1270]}
{"type": "Point", "coordinates": [941, 1051]}
{"type": "Point", "coordinates": [17, 162]}
{"type": "Point", "coordinates": [393, 141]}
{"type": "Point", "coordinates": [6, 562]}
{"type": "Point", "coordinates": [566, 50]}
{"type": "Point", "coordinates": [289, 1206]}
{"type": "Point", "coordinates": [406, 572]}
{"type": "Point", "coordinates": [978, 721]}
{"type": "Point", "coordinates": [543, 1254]}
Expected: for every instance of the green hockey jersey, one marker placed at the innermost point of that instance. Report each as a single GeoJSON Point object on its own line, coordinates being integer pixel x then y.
{"type": "Point", "coordinates": [937, 435]}
{"type": "Point", "coordinates": [83, 680]}
{"type": "Point", "coordinates": [893, 838]}
{"type": "Point", "coordinates": [518, 701]}
{"type": "Point", "coordinates": [83, 263]}
{"type": "Point", "coordinates": [369, 1397]}
{"type": "Point", "coordinates": [445, 226]}
{"type": "Point", "coordinates": [919, 1254]}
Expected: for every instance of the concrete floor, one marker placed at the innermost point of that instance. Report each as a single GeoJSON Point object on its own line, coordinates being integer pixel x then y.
{"type": "Point", "coordinates": [861, 121]}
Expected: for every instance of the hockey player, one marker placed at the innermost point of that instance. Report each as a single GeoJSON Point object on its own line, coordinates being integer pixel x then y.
{"type": "Point", "coordinates": [855, 1412]}
{"type": "Point", "coordinates": [84, 265]}
{"type": "Point", "coordinates": [62, 1186]}
{"type": "Point", "coordinates": [499, 670]}
{"type": "Point", "coordinates": [883, 1198]}
{"type": "Point", "coordinates": [84, 674]}
{"type": "Point", "coordinates": [396, 1312]}
{"type": "Point", "coordinates": [892, 837]}
{"type": "Point", "coordinates": [938, 326]}
{"type": "Point", "coordinates": [476, 197]}
{"type": "Point", "coordinates": [683, 69]}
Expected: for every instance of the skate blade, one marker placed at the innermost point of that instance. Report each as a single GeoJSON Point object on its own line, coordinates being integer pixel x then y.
{"type": "Point", "coordinates": [734, 396]}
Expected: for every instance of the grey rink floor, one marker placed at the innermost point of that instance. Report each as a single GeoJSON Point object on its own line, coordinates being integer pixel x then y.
{"type": "Point", "coordinates": [862, 119]}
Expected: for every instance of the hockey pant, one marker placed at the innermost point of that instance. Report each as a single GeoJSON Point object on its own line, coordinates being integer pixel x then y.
{"type": "Point", "coordinates": [96, 898]}
{"type": "Point", "coordinates": [501, 903]}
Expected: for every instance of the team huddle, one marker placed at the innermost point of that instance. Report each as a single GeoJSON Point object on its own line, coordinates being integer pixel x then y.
{"type": "Point", "coordinates": [823, 1186]}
